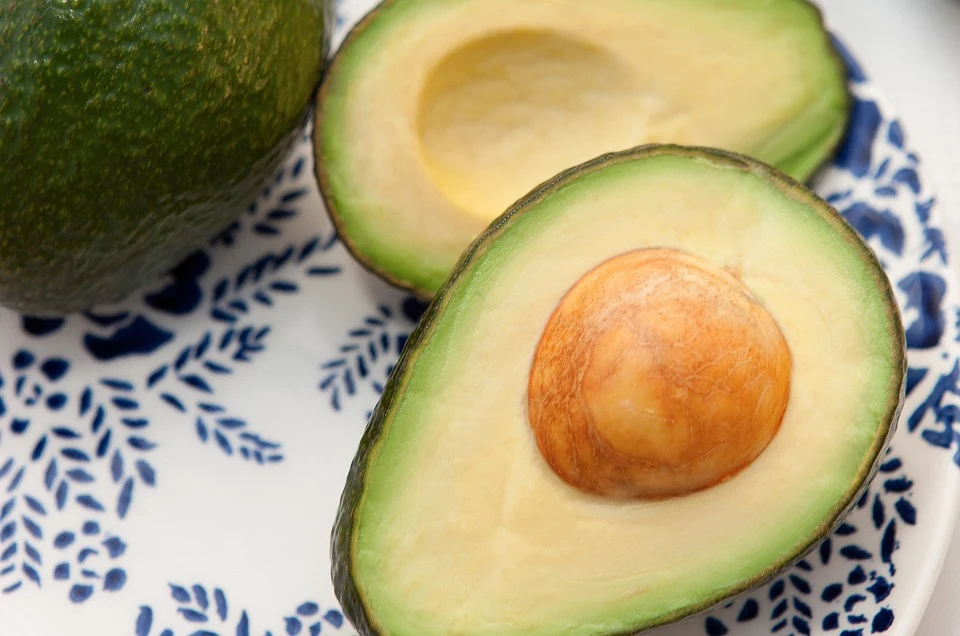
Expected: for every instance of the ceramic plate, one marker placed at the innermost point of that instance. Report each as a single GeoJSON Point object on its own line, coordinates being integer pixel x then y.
{"type": "Point", "coordinates": [171, 465]}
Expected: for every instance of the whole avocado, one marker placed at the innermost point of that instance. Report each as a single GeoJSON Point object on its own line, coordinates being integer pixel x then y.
{"type": "Point", "coordinates": [131, 131]}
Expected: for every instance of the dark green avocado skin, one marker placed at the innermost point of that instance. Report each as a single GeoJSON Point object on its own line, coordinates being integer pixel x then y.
{"type": "Point", "coordinates": [342, 549]}
{"type": "Point", "coordinates": [131, 131]}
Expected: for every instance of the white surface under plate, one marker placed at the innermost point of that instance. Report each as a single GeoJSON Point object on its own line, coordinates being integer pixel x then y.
{"type": "Point", "coordinates": [171, 465]}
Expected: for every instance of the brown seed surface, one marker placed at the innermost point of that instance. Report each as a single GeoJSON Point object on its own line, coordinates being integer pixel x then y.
{"type": "Point", "coordinates": [658, 375]}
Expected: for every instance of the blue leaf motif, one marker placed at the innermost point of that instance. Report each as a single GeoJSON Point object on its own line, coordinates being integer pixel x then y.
{"type": "Point", "coordinates": [80, 476]}
{"type": "Point", "coordinates": [65, 433]}
{"type": "Point", "coordinates": [119, 385]}
{"type": "Point", "coordinates": [878, 513]}
{"type": "Point", "coordinates": [891, 465]}
{"type": "Point", "coordinates": [906, 511]}
{"type": "Point", "coordinates": [308, 609]}
{"type": "Point", "coordinates": [220, 599]}
{"type": "Point", "coordinates": [103, 446]}
{"type": "Point", "coordinates": [889, 541]}
{"type": "Point", "coordinates": [200, 594]}
{"type": "Point", "coordinates": [22, 359]}
{"type": "Point", "coordinates": [334, 617]}
{"type": "Point", "coordinates": [80, 593]}
{"type": "Point", "coordinates": [35, 505]}
{"type": "Point", "coordinates": [61, 495]}
{"type": "Point", "coordinates": [115, 547]}
{"type": "Point", "coordinates": [125, 404]}
{"type": "Point", "coordinates": [173, 401]}
{"type": "Point", "coordinates": [182, 359]}
{"type": "Point", "coordinates": [140, 443]}
{"type": "Point", "coordinates": [86, 401]}
{"type": "Point", "coordinates": [193, 615]}
{"type": "Point", "coordinates": [156, 376]}
{"type": "Point", "coordinates": [883, 224]}
{"type": "Point", "coordinates": [855, 553]}
{"type": "Point", "coordinates": [50, 475]}
{"type": "Point", "coordinates": [32, 527]}
{"type": "Point", "coordinates": [144, 621]}
{"type": "Point", "coordinates": [202, 346]}
{"type": "Point", "coordinates": [56, 401]}
{"type": "Point", "coordinates": [126, 496]}
{"type": "Point", "coordinates": [856, 152]}
{"type": "Point", "coordinates": [220, 290]}
{"type": "Point", "coordinates": [196, 382]}
{"type": "Point", "coordinates": [925, 292]}
{"type": "Point", "coordinates": [90, 502]}
{"type": "Point", "coordinates": [284, 286]}
{"type": "Point", "coordinates": [800, 584]}
{"type": "Point", "coordinates": [75, 454]}
{"type": "Point", "coordinates": [882, 621]}
{"type": "Point", "coordinates": [38, 449]}
{"type": "Point", "coordinates": [223, 316]}
{"type": "Point", "coordinates": [116, 467]}
{"type": "Point", "coordinates": [898, 485]}
{"type": "Point", "coordinates": [216, 368]}
{"type": "Point", "coordinates": [179, 594]}
{"type": "Point", "coordinates": [31, 573]}
{"type": "Point", "coordinates": [908, 177]}
{"type": "Point", "coordinates": [114, 580]}
{"type": "Point", "coordinates": [223, 442]}
{"type": "Point", "coordinates": [202, 432]}
{"type": "Point", "coordinates": [147, 473]}
{"type": "Point", "coordinates": [32, 553]}
{"type": "Point", "coordinates": [15, 482]}
{"type": "Point", "coordinates": [41, 326]}
{"type": "Point", "coordinates": [98, 419]}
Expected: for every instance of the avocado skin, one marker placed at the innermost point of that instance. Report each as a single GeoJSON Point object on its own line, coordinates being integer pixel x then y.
{"type": "Point", "coordinates": [342, 537]}
{"type": "Point", "coordinates": [131, 131]}
{"type": "Point", "coordinates": [825, 149]}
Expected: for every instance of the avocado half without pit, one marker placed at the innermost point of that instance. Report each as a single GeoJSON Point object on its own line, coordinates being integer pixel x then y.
{"type": "Point", "coordinates": [655, 382]}
{"type": "Point", "coordinates": [436, 115]}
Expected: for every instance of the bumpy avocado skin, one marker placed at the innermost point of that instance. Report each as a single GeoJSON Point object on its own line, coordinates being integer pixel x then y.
{"type": "Point", "coordinates": [343, 537]}
{"type": "Point", "coordinates": [132, 130]}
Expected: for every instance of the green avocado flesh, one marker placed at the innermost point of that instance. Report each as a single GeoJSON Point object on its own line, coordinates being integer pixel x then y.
{"type": "Point", "coordinates": [436, 115]}
{"type": "Point", "coordinates": [452, 522]}
{"type": "Point", "coordinates": [131, 131]}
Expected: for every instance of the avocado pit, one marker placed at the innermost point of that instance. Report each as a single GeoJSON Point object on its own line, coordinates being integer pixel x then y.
{"type": "Point", "coordinates": [658, 375]}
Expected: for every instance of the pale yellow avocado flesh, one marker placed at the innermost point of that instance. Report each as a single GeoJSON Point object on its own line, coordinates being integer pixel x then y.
{"type": "Point", "coordinates": [436, 115]}
{"type": "Point", "coordinates": [462, 528]}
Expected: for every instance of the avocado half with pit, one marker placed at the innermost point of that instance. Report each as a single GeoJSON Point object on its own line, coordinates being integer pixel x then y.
{"type": "Point", "coordinates": [654, 383]}
{"type": "Point", "coordinates": [436, 115]}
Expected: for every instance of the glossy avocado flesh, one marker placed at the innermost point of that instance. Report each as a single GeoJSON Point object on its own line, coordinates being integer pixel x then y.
{"type": "Point", "coordinates": [436, 115]}
{"type": "Point", "coordinates": [458, 516]}
{"type": "Point", "coordinates": [132, 130]}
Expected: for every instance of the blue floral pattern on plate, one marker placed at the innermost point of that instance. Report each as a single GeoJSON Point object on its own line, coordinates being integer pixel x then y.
{"type": "Point", "coordinates": [210, 419]}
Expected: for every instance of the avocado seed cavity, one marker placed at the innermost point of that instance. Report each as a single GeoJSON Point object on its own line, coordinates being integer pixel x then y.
{"type": "Point", "coordinates": [509, 110]}
{"type": "Point", "coordinates": [658, 375]}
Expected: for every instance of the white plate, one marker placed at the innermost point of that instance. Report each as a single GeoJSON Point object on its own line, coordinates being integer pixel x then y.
{"type": "Point", "coordinates": [171, 465]}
